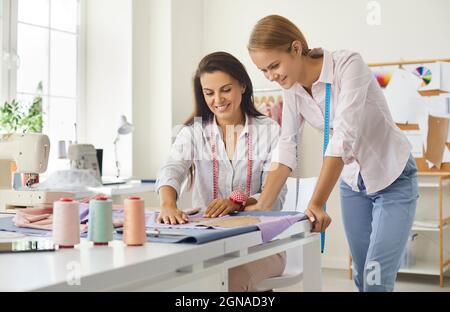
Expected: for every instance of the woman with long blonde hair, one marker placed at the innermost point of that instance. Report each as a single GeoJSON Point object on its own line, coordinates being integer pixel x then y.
{"type": "Point", "coordinates": [336, 92]}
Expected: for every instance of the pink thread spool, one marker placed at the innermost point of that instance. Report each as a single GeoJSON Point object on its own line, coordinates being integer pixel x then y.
{"type": "Point", "coordinates": [134, 222]}
{"type": "Point", "coordinates": [66, 223]}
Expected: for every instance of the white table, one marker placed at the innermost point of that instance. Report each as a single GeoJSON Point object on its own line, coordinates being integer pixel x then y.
{"type": "Point", "coordinates": [154, 266]}
{"type": "Point", "coordinates": [131, 187]}
{"type": "Point", "coordinates": [118, 192]}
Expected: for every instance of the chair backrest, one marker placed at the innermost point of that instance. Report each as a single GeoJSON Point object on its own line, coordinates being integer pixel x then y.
{"type": "Point", "coordinates": [304, 190]}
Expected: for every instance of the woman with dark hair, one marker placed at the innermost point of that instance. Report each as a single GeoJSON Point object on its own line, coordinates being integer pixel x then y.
{"type": "Point", "coordinates": [225, 147]}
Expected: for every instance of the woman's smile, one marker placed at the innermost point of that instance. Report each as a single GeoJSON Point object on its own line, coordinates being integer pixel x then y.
{"type": "Point", "coordinates": [222, 107]}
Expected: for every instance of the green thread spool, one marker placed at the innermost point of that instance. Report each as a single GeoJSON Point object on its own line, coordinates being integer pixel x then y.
{"type": "Point", "coordinates": [100, 224]}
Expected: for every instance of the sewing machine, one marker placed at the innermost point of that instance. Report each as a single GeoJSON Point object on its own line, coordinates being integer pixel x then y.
{"type": "Point", "coordinates": [30, 152]}
{"type": "Point", "coordinates": [84, 156]}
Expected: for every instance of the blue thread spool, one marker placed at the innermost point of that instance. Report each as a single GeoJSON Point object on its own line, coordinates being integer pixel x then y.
{"type": "Point", "coordinates": [100, 224]}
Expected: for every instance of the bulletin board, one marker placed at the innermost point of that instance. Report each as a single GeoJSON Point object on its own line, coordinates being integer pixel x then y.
{"type": "Point", "coordinates": [431, 85]}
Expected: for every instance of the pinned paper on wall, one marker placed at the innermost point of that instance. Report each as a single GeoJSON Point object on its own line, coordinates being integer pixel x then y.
{"type": "Point", "coordinates": [416, 140]}
{"type": "Point", "coordinates": [438, 105]}
{"type": "Point", "coordinates": [446, 157]}
{"type": "Point", "coordinates": [445, 76]}
{"type": "Point", "coordinates": [383, 74]}
{"type": "Point", "coordinates": [404, 102]}
{"type": "Point", "coordinates": [428, 73]}
{"type": "Point", "coordinates": [423, 129]}
{"type": "Point", "coordinates": [424, 74]}
{"type": "Point", "coordinates": [436, 139]}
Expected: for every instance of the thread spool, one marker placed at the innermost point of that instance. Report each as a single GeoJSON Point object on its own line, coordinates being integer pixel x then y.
{"type": "Point", "coordinates": [62, 151]}
{"type": "Point", "coordinates": [134, 222]}
{"type": "Point", "coordinates": [66, 223]}
{"type": "Point", "coordinates": [100, 225]}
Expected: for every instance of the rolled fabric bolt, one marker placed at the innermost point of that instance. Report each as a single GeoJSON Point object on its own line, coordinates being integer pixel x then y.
{"type": "Point", "coordinates": [100, 224]}
{"type": "Point", "coordinates": [66, 223]}
{"type": "Point", "coordinates": [134, 222]}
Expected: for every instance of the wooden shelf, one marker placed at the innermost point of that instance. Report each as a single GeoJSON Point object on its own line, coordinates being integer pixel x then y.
{"type": "Point", "coordinates": [431, 226]}
{"type": "Point", "coordinates": [432, 92]}
{"type": "Point", "coordinates": [423, 267]}
{"type": "Point", "coordinates": [402, 62]}
{"type": "Point", "coordinates": [428, 184]}
{"type": "Point", "coordinates": [432, 173]}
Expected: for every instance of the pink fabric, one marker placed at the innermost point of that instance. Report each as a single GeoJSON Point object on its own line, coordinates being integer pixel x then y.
{"type": "Point", "coordinates": [42, 218]}
{"type": "Point", "coordinates": [35, 218]}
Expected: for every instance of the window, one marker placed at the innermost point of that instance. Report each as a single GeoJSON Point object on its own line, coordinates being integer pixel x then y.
{"type": "Point", "coordinates": [3, 49]}
{"type": "Point", "coordinates": [46, 36]}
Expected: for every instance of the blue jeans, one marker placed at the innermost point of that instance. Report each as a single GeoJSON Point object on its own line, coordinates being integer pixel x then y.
{"type": "Point", "coordinates": [377, 227]}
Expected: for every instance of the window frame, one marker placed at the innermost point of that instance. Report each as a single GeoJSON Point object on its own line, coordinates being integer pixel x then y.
{"type": "Point", "coordinates": [9, 67]}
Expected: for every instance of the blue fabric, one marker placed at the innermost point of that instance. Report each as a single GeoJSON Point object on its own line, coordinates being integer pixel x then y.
{"type": "Point", "coordinates": [7, 225]}
{"type": "Point", "coordinates": [204, 235]}
{"type": "Point", "coordinates": [193, 236]}
{"type": "Point", "coordinates": [377, 226]}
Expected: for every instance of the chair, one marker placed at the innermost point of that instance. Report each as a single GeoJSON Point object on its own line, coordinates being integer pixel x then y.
{"type": "Point", "coordinates": [294, 263]}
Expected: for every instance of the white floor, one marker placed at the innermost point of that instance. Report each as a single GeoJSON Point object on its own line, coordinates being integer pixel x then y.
{"type": "Point", "coordinates": [338, 281]}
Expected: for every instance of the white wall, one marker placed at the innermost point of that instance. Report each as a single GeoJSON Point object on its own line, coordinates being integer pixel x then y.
{"type": "Point", "coordinates": [152, 95]}
{"type": "Point", "coordinates": [140, 59]}
{"type": "Point", "coordinates": [2, 92]}
{"type": "Point", "coordinates": [187, 23]}
{"type": "Point", "coordinates": [166, 47]}
{"type": "Point", "coordinates": [108, 79]}
{"type": "Point", "coordinates": [333, 25]}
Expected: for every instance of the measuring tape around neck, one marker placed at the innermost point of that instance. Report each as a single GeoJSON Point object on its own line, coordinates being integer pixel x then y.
{"type": "Point", "coordinates": [215, 161]}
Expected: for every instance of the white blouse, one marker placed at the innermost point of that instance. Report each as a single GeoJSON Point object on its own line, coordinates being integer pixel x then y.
{"type": "Point", "coordinates": [193, 146]}
{"type": "Point", "coordinates": [363, 131]}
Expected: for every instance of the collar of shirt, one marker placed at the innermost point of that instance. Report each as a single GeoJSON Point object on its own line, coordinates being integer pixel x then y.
{"type": "Point", "coordinates": [218, 129]}
{"type": "Point", "coordinates": [326, 75]}
{"type": "Point", "coordinates": [313, 107]}
{"type": "Point", "coordinates": [327, 72]}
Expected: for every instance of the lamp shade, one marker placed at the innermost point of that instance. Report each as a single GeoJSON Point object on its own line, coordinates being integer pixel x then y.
{"type": "Point", "coordinates": [125, 127]}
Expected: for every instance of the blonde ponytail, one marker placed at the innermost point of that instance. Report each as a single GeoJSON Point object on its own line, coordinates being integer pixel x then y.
{"type": "Point", "coordinates": [275, 32]}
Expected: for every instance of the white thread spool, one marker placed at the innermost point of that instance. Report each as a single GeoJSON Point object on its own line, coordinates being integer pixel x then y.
{"type": "Point", "coordinates": [66, 223]}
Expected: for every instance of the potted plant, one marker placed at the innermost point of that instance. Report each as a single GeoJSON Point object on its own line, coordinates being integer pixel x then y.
{"type": "Point", "coordinates": [18, 117]}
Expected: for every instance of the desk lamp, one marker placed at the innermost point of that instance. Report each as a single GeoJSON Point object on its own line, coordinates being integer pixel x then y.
{"type": "Point", "coordinates": [124, 128]}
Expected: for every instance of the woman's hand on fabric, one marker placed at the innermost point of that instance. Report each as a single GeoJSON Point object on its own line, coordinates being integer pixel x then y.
{"type": "Point", "coordinates": [172, 215]}
{"type": "Point", "coordinates": [319, 218]}
{"type": "Point", "coordinates": [220, 207]}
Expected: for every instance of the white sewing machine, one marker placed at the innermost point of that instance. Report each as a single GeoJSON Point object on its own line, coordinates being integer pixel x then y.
{"type": "Point", "coordinates": [30, 152]}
